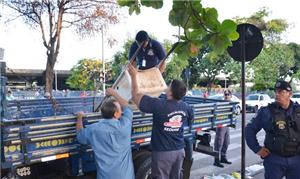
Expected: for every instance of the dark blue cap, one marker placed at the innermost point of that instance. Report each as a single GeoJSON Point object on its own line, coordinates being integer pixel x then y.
{"type": "Point", "coordinates": [283, 85]}
{"type": "Point", "coordinates": [141, 36]}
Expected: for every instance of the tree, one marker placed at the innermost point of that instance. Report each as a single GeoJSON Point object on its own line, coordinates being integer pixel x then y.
{"type": "Point", "coordinates": [86, 74]}
{"type": "Point", "coordinates": [271, 29]}
{"type": "Point", "coordinates": [206, 66]}
{"type": "Point", "coordinates": [295, 70]}
{"type": "Point", "coordinates": [175, 68]}
{"type": "Point", "coordinates": [201, 25]}
{"type": "Point", "coordinates": [175, 64]}
{"type": "Point", "coordinates": [86, 17]}
{"type": "Point", "coordinates": [274, 62]}
{"type": "Point", "coordinates": [120, 59]}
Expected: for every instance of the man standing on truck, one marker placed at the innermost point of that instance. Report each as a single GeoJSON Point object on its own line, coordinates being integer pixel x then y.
{"type": "Point", "coordinates": [169, 117]}
{"type": "Point", "coordinates": [110, 138]}
{"type": "Point", "coordinates": [222, 139]}
{"type": "Point", "coordinates": [281, 122]}
{"type": "Point", "coordinates": [150, 55]}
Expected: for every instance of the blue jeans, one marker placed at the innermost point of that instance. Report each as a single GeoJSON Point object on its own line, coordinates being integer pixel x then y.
{"type": "Point", "coordinates": [276, 167]}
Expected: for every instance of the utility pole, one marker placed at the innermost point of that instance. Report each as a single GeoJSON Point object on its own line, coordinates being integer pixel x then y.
{"type": "Point", "coordinates": [103, 61]}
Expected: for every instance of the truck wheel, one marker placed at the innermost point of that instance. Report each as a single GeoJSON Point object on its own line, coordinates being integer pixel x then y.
{"type": "Point", "coordinates": [144, 168]}
{"type": "Point", "coordinates": [137, 162]}
{"type": "Point", "coordinates": [136, 154]}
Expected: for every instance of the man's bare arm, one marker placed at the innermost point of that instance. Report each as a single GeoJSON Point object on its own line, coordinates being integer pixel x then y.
{"type": "Point", "coordinates": [136, 97]}
{"type": "Point", "coordinates": [121, 100]}
{"type": "Point", "coordinates": [79, 124]}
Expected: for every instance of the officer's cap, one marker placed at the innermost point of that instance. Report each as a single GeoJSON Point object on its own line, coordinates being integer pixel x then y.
{"type": "Point", "coordinates": [283, 85]}
{"type": "Point", "coordinates": [141, 36]}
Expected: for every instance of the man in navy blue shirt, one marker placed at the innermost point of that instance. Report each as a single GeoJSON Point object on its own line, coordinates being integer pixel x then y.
{"type": "Point", "coordinates": [169, 117]}
{"type": "Point", "coordinates": [150, 55]}
{"type": "Point", "coordinates": [281, 122]}
{"type": "Point", "coordinates": [110, 138]}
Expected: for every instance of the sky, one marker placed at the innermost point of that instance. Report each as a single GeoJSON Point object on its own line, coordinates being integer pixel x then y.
{"type": "Point", "coordinates": [24, 49]}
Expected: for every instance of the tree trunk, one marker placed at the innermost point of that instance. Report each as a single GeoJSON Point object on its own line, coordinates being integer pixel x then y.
{"type": "Point", "coordinates": [49, 75]}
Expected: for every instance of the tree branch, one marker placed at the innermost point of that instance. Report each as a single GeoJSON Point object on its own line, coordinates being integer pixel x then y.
{"type": "Point", "coordinates": [198, 18]}
{"type": "Point", "coordinates": [40, 23]}
{"type": "Point", "coordinates": [58, 29]}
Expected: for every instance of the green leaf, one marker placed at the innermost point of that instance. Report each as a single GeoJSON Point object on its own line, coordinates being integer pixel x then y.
{"type": "Point", "coordinates": [157, 4]}
{"type": "Point", "coordinates": [211, 13]}
{"type": "Point", "coordinates": [227, 27]}
{"type": "Point", "coordinates": [210, 18]}
{"type": "Point", "coordinates": [197, 5]}
{"type": "Point", "coordinates": [137, 10]}
{"type": "Point", "coordinates": [219, 43]}
{"type": "Point", "coordinates": [131, 9]}
{"type": "Point", "coordinates": [193, 23]}
{"type": "Point", "coordinates": [178, 17]}
{"type": "Point", "coordinates": [197, 34]}
{"type": "Point", "coordinates": [178, 4]}
{"type": "Point", "coordinates": [234, 36]}
{"type": "Point", "coordinates": [126, 2]}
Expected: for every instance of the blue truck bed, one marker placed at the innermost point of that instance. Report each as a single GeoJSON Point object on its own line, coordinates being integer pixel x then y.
{"type": "Point", "coordinates": [42, 130]}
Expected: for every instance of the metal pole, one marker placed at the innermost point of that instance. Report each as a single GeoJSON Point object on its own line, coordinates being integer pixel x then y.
{"type": "Point", "coordinates": [103, 61]}
{"type": "Point", "coordinates": [243, 55]}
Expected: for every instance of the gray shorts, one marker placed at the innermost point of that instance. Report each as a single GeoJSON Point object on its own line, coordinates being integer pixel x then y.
{"type": "Point", "coordinates": [167, 164]}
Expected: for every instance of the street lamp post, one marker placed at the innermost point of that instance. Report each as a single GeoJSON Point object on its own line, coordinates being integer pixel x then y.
{"type": "Point", "coordinates": [103, 61]}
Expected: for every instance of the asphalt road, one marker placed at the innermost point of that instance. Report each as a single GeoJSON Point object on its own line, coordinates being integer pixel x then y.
{"type": "Point", "coordinates": [203, 164]}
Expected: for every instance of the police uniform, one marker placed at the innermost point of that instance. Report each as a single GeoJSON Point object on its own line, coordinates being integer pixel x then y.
{"type": "Point", "coordinates": [282, 127]}
{"type": "Point", "coordinates": [150, 56]}
{"type": "Point", "coordinates": [222, 141]}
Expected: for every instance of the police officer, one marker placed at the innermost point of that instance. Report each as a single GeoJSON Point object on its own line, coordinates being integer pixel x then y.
{"type": "Point", "coordinates": [151, 54]}
{"type": "Point", "coordinates": [222, 139]}
{"type": "Point", "coordinates": [281, 122]}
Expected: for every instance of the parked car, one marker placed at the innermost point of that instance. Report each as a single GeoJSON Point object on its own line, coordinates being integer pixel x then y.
{"type": "Point", "coordinates": [296, 98]}
{"type": "Point", "coordinates": [234, 98]}
{"type": "Point", "coordinates": [255, 101]}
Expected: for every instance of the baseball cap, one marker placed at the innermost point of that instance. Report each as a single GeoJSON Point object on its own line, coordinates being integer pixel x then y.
{"type": "Point", "coordinates": [141, 36]}
{"type": "Point", "coordinates": [283, 85]}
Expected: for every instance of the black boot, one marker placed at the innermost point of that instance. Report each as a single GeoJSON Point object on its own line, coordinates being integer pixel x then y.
{"type": "Point", "coordinates": [217, 163]}
{"type": "Point", "coordinates": [224, 160]}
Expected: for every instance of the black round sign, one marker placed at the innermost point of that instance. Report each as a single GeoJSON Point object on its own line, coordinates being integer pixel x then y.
{"type": "Point", "coordinates": [249, 44]}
